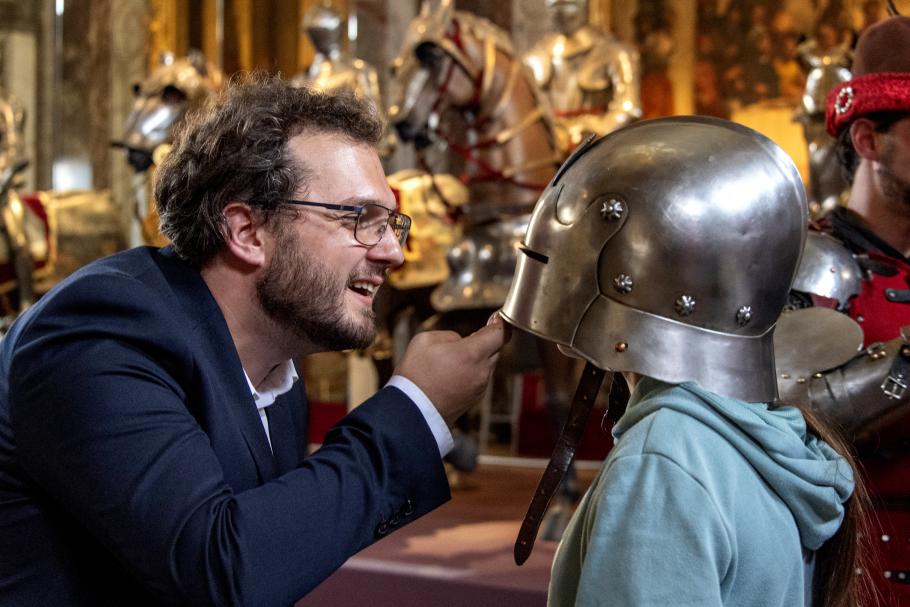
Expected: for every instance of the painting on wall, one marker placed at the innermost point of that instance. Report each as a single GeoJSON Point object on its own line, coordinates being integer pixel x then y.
{"type": "Point", "coordinates": [753, 60]}
{"type": "Point", "coordinates": [760, 51]}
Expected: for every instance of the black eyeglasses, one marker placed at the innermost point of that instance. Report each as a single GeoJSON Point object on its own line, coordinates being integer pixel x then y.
{"type": "Point", "coordinates": [372, 220]}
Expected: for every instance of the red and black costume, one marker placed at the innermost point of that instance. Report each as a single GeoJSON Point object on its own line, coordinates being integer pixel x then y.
{"type": "Point", "coordinates": [880, 84]}
{"type": "Point", "coordinates": [881, 309]}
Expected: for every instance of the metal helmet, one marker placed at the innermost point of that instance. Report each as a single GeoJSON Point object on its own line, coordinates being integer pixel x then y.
{"type": "Point", "coordinates": [323, 26]}
{"type": "Point", "coordinates": [828, 269]}
{"type": "Point", "coordinates": [666, 248]}
{"type": "Point", "coordinates": [480, 266]}
{"type": "Point", "coordinates": [567, 16]}
{"type": "Point", "coordinates": [827, 67]}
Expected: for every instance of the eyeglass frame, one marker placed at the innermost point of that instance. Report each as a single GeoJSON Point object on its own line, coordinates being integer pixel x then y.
{"type": "Point", "coordinates": [358, 211]}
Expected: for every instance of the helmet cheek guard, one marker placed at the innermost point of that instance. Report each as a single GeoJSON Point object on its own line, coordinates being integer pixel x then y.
{"type": "Point", "coordinates": [667, 248]}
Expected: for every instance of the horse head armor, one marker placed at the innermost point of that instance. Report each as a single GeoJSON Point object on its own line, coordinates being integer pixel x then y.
{"type": "Point", "coordinates": [178, 86]}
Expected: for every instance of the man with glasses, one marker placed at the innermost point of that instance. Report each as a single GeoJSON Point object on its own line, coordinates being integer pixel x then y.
{"type": "Point", "coordinates": [152, 431]}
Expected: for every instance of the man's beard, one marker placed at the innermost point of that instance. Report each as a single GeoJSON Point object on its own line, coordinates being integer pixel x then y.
{"type": "Point", "coordinates": [304, 296]}
{"type": "Point", "coordinates": [893, 187]}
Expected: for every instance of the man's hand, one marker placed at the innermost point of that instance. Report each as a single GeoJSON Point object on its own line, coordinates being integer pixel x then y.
{"type": "Point", "coordinates": [454, 371]}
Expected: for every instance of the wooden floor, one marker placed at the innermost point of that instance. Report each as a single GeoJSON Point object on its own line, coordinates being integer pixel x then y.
{"type": "Point", "coordinates": [457, 556]}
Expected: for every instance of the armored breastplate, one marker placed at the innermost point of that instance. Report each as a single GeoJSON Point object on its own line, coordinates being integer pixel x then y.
{"type": "Point", "coordinates": [355, 75]}
{"type": "Point", "coordinates": [329, 77]}
{"type": "Point", "coordinates": [591, 81]}
{"type": "Point", "coordinates": [580, 80]}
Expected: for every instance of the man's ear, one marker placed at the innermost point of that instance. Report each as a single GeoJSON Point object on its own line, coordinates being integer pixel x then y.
{"type": "Point", "coordinates": [864, 138]}
{"type": "Point", "coordinates": [244, 234]}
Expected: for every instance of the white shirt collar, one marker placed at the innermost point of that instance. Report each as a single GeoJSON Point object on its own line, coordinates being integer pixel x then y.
{"type": "Point", "coordinates": [278, 381]}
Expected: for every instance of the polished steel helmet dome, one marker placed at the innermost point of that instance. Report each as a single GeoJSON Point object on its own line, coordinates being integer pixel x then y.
{"type": "Point", "coordinates": [667, 248]}
{"type": "Point", "coordinates": [323, 24]}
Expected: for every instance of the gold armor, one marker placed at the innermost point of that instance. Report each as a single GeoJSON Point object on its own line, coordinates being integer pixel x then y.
{"type": "Point", "coordinates": [427, 200]}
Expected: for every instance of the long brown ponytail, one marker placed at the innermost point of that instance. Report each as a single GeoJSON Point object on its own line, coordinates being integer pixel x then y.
{"type": "Point", "coordinates": [843, 564]}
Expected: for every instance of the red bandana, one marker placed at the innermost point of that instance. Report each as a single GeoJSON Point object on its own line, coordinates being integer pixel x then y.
{"type": "Point", "coordinates": [876, 92]}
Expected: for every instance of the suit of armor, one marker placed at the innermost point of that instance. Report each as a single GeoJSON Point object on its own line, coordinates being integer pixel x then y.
{"type": "Point", "coordinates": [825, 68]}
{"type": "Point", "coordinates": [332, 69]}
{"type": "Point", "coordinates": [590, 79]}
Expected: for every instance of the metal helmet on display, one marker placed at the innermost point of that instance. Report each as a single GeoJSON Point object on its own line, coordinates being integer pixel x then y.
{"type": "Point", "coordinates": [323, 26]}
{"type": "Point", "coordinates": [176, 87]}
{"type": "Point", "coordinates": [480, 266]}
{"type": "Point", "coordinates": [568, 16]}
{"type": "Point", "coordinates": [667, 248]}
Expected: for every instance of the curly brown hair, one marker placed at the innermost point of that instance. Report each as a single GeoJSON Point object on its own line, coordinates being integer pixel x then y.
{"type": "Point", "coordinates": [236, 149]}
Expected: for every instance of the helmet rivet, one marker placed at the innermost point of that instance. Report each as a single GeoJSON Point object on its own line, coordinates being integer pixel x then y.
{"type": "Point", "coordinates": [685, 305]}
{"type": "Point", "coordinates": [612, 210]}
{"type": "Point", "coordinates": [623, 283]}
{"type": "Point", "coordinates": [744, 315]}
{"type": "Point", "coordinates": [621, 346]}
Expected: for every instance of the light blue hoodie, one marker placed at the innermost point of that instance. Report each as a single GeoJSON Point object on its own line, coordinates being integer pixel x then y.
{"type": "Point", "coordinates": [704, 501]}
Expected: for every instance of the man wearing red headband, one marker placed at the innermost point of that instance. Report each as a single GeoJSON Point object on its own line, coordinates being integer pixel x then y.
{"type": "Point", "coordinates": [870, 117]}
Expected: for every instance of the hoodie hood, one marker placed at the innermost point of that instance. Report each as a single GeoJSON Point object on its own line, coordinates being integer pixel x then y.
{"type": "Point", "coordinates": [810, 477]}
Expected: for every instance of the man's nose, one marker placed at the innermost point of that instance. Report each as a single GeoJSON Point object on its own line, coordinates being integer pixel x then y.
{"type": "Point", "coordinates": [387, 250]}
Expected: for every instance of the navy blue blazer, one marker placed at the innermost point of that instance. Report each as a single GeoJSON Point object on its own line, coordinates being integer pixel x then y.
{"type": "Point", "coordinates": [134, 468]}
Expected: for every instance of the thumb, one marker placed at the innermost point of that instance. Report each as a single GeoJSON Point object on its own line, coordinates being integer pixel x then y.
{"type": "Point", "coordinates": [490, 339]}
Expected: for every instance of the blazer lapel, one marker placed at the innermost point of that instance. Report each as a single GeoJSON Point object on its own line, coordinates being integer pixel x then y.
{"type": "Point", "coordinates": [283, 435]}
{"type": "Point", "coordinates": [218, 349]}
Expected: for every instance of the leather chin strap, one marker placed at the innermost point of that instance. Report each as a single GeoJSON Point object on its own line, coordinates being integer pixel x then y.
{"type": "Point", "coordinates": [563, 454]}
